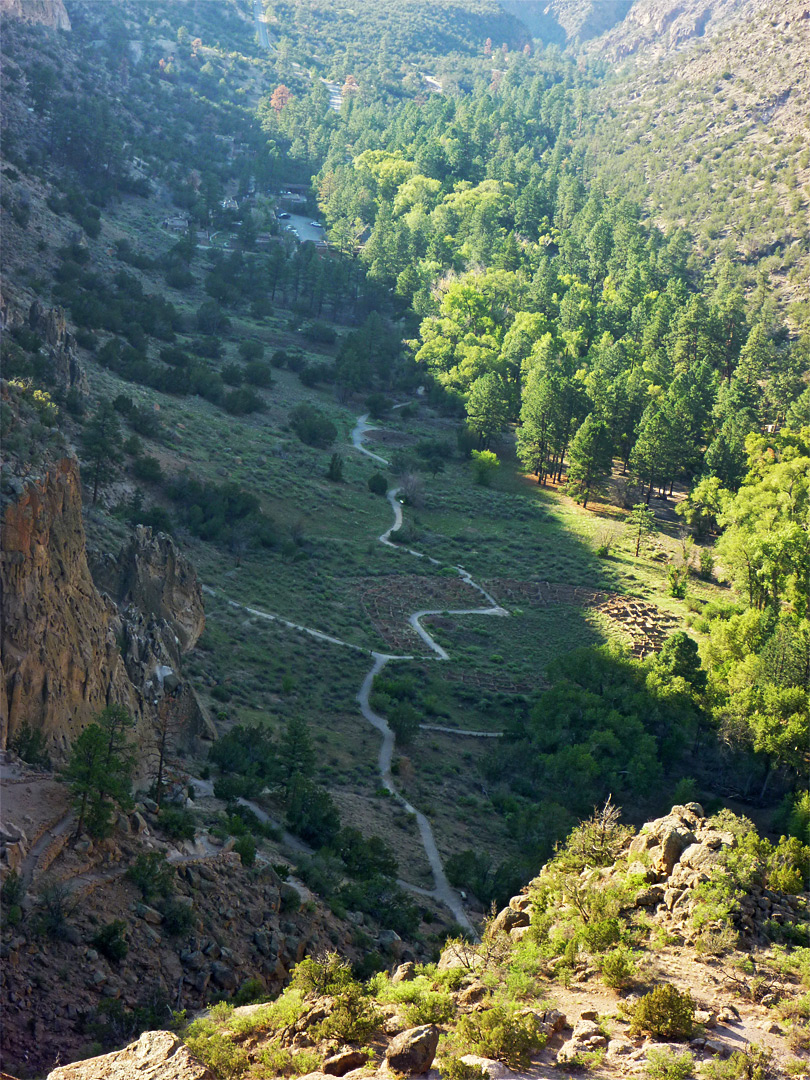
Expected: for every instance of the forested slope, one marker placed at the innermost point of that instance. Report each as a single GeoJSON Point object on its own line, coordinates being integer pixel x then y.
{"type": "Point", "coordinates": [713, 137]}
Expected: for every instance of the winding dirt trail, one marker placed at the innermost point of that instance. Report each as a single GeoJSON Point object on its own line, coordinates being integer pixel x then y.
{"type": "Point", "coordinates": [442, 890]}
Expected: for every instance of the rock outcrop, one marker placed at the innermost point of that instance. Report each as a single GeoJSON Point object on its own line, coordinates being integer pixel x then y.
{"type": "Point", "coordinates": [157, 1055]}
{"type": "Point", "coordinates": [151, 576]}
{"type": "Point", "coordinates": [60, 657]}
{"type": "Point", "coordinates": [50, 13]}
{"type": "Point", "coordinates": [659, 26]}
{"type": "Point", "coordinates": [674, 855]}
{"type": "Point", "coordinates": [67, 649]}
{"type": "Point", "coordinates": [51, 325]}
{"type": "Point", "coordinates": [58, 342]}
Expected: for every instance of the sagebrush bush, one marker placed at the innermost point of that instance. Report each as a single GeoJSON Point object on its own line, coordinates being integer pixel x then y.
{"type": "Point", "coordinates": [618, 969]}
{"type": "Point", "coordinates": [216, 1049]}
{"type": "Point", "coordinates": [503, 1034]}
{"type": "Point", "coordinates": [377, 484]}
{"type": "Point", "coordinates": [753, 1063]}
{"type": "Point", "coordinates": [282, 1061]}
{"type": "Point", "coordinates": [111, 941]}
{"type": "Point", "coordinates": [176, 823]}
{"type": "Point", "coordinates": [354, 1016]}
{"type": "Point", "coordinates": [433, 1007]}
{"type": "Point", "coordinates": [665, 1012]}
{"type": "Point", "coordinates": [152, 874]}
{"type": "Point", "coordinates": [668, 1064]}
{"type": "Point", "coordinates": [452, 1067]}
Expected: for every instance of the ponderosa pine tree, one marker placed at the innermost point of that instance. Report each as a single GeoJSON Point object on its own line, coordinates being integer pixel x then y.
{"type": "Point", "coordinates": [590, 457]}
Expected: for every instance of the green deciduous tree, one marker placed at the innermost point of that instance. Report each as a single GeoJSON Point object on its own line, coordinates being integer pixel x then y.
{"type": "Point", "coordinates": [487, 408]}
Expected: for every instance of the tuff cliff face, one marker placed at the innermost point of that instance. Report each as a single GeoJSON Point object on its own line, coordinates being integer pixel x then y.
{"type": "Point", "coordinates": [61, 661]}
{"type": "Point", "coordinates": [150, 575]}
{"type": "Point", "coordinates": [58, 343]}
{"type": "Point", "coordinates": [659, 26]}
{"type": "Point", "coordinates": [51, 325]}
{"type": "Point", "coordinates": [40, 12]}
{"type": "Point", "coordinates": [67, 649]}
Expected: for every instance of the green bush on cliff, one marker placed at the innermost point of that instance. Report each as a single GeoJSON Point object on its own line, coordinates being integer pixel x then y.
{"type": "Point", "coordinates": [216, 1049]}
{"type": "Point", "coordinates": [111, 941]}
{"type": "Point", "coordinates": [152, 874]}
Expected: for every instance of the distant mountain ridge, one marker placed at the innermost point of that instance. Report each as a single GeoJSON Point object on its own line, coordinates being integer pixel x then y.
{"type": "Point", "coordinates": [563, 21]}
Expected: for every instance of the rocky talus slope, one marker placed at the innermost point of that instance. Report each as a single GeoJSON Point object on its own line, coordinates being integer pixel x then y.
{"type": "Point", "coordinates": [523, 1002]}
{"type": "Point", "coordinates": [207, 926]}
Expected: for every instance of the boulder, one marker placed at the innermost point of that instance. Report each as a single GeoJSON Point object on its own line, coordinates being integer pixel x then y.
{"type": "Point", "coordinates": [508, 919]}
{"type": "Point", "coordinates": [412, 1052]}
{"type": "Point", "coordinates": [649, 897]}
{"type": "Point", "coordinates": [459, 955]}
{"type": "Point", "coordinates": [157, 1055]}
{"type": "Point", "coordinates": [472, 994]}
{"type": "Point", "coordinates": [152, 915]}
{"type": "Point", "coordinates": [521, 902]}
{"type": "Point", "coordinates": [555, 1019]}
{"type": "Point", "coordinates": [496, 1070]}
{"type": "Point", "coordinates": [391, 942]}
{"type": "Point", "coordinates": [344, 1061]}
{"type": "Point", "coordinates": [702, 856]}
{"type": "Point", "coordinates": [712, 1046]}
{"type": "Point", "coordinates": [405, 973]}
{"type": "Point", "coordinates": [223, 976]}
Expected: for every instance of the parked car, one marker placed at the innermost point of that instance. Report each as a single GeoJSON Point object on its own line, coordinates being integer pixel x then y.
{"type": "Point", "coordinates": [282, 216]}
{"type": "Point", "coordinates": [316, 224]}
